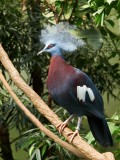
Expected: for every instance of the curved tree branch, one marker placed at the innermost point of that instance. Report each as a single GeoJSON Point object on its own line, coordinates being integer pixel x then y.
{"type": "Point", "coordinates": [86, 150]}
{"type": "Point", "coordinates": [36, 121]}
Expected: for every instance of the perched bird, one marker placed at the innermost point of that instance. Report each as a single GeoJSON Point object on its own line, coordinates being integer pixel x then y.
{"type": "Point", "coordinates": [70, 87]}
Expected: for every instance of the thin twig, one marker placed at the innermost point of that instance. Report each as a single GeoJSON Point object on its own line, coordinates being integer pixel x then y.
{"type": "Point", "coordinates": [73, 10]}
{"type": "Point", "coordinates": [56, 17]}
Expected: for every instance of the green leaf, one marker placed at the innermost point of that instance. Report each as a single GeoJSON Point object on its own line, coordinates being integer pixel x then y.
{"type": "Point", "coordinates": [31, 153]}
{"type": "Point", "coordinates": [82, 10]}
{"type": "Point", "coordinates": [38, 156]}
{"type": "Point", "coordinates": [53, 1]}
{"type": "Point", "coordinates": [0, 102]}
{"type": "Point", "coordinates": [89, 137]}
{"type": "Point", "coordinates": [94, 39]}
{"type": "Point", "coordinates": [109, 1]}
{"type": "Point", "coordinates": [102, 18]}
{"type": "Point", "coordinates": [92, 36]}
{"type": "Point", "coordinates": [68, 12]}
{"type": "Point", "coordinates": [44, 149]}
{"type": "Point", "coordinates": [115, 29]}
{"type": "Point", "coordinates": [110, 22]}
{"type": "Point", "coordinates": [95, 3]}
{"type": "Point", "coordinates": [78, 33]}
{"type": "Point", "coordinates": [84, 7]}
{"type": "Point", "coordinates": [118, 5]}
{"type": "Point", "coordinates": [112, 127]}
{"type": "Point", "coordinates": [99, 11]}
{"type": "Point", "coordinates": [116, 116]}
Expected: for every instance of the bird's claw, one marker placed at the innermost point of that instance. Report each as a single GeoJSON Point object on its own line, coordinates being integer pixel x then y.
{"type": "Point", "coordinates": [62, 126]}
{"type": "Point", "coordinates": [74, 134]}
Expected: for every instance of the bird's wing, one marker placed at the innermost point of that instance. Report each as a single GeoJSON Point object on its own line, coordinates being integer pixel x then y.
{"type": "Point", "coordinates": [87, 94]}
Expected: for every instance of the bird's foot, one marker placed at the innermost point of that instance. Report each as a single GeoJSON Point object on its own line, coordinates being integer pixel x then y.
{"type": "Point", "coordinates": [61, 126]}
{"type": "Point", "coordinates": [74, 134]}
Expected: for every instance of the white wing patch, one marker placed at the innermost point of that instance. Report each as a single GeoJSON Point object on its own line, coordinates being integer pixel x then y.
{"type": "Point", "coordinates": [81, 93]}
{"type": "Point", "coordinates": [91, 94]}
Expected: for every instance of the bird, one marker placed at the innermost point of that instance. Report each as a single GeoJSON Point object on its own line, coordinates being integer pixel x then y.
{"type": "Point", "coordinates": [70, 87]}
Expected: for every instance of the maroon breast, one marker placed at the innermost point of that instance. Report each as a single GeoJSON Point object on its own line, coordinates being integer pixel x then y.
{"type": "Point", "coordinates": [60, 73]}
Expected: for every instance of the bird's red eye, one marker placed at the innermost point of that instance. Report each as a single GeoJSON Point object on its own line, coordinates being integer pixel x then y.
{"type": "Point", "coordinates": [50, 46]}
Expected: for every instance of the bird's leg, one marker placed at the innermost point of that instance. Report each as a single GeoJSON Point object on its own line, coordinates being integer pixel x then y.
{"type": "Point", "coordinates": [64, 124]}
{"type": "Point", "coordinates": [76, 133]}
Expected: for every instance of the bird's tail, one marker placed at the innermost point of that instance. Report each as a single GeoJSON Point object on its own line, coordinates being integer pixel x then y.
{"type": "Point", "coordinates": [100, 131]}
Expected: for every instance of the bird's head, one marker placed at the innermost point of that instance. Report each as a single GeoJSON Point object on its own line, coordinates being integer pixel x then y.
{"type": "Point", "coordinates": [57, 38]}
{"type": "Point", "coordinates": [52, 48]}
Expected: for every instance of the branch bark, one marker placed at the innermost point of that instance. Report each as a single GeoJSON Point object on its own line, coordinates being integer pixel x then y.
{"type": "Point", "coordinates": [36, 121]}
{"type": "Point", "coordinates": [86, 150]}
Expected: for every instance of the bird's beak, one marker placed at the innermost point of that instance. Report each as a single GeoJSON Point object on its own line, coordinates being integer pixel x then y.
{"type": "Point", "coordinates": [40, 52]}
{"type": "Point", "coordinates": [43, 50]}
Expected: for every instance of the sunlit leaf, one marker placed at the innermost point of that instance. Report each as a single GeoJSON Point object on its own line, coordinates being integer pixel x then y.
{"type": "Point", "coordinates": [118, 5]}
{"type": "Point", "coordinates": [102, 19]}
{"type": "Point", "coordinates": [89, 137]}
{"type": "Point", "coordinates": [38, 156]}
{"type": "Point", "coordinates": [68, 13]}
{"type": "Point", "coordinates": [99, 11]}
{"type": "Point", "coordinates": [78, 33]}
{"type": "Point", "coordinates": [96, 2]}
{"type": "Point", "coordinates": [82, 10]}
{"type": "Point", "coordinates": [109, 1]}
{"type": "Point", "coordinates": [110, 22]}
{"type": "Point", "coordinates": [92, 36]}
{"type": "Point", "coordinates": [53, 1]}
{"type": "Point", "coordinates": [112, 17]}
{"type": "Point", "coordinates": [112, 127]}
{"type": "Point", "coordinates": [32, 148]}
{"type": "Point", "coordinates": [115, 116]}
{"type": "Point", "coordinates": [44, 149]}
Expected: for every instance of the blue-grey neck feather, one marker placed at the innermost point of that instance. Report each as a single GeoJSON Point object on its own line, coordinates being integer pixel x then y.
{"type": "Point", "coordinates": [56, 51]}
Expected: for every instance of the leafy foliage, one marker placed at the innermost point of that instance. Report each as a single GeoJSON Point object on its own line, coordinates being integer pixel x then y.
{"type": "Point", "coordinates": [47, 148]}
{"type": "Point", "coordinates": [20, 27]}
